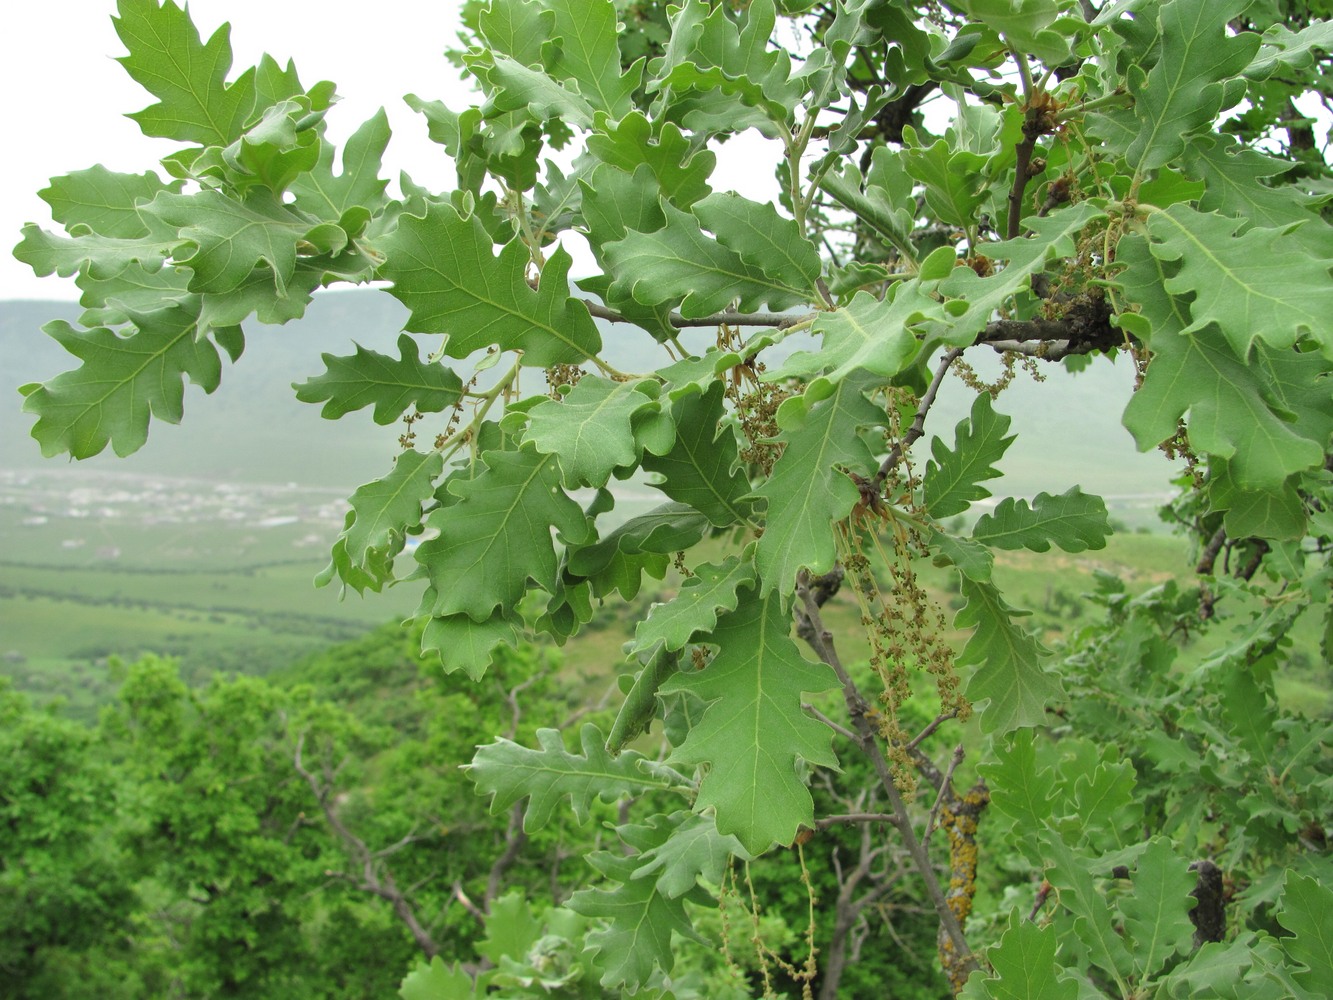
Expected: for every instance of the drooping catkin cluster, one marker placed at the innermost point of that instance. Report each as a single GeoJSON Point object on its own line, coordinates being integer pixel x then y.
{"type": "Point", "coordinates": [755, 403]}
{"type": "Point", "coordinates": [905, 627]}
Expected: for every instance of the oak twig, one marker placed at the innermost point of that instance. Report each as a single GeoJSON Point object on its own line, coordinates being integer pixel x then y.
{"type": "Point", "coordinates": [376, 878]}
{"type": "Point", "coordinates": [730, 318]}
{"type": "Point", "coordinates": [919, 424]}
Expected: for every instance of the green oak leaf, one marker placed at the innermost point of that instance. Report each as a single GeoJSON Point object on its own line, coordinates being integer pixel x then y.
{"type": "Point", "coordinates": [123, 381]}
{"type": "Point", "coordinates": [1024, 966]}
{"type": "Point", "coordinates": [101, 257]}
{"type": "Point", "coordinates": [1074, 520]}
{"type": "Point", "coordinates": [1226, 971]}
{"type": "Point", "coordinates": [1184, 89]}
{"type": "Point", "coordinates": [510, 773]}
{"type": "Point", "coordinates": [532, 92]}
{"type": "Point", "coordinates": [1235, 412]}
{"type": "Point", "coordinates": [952, 177]}
{"type": "Point", "coordinates": [823, 73]}
{"type": "Point", "coordinates": [587, 54]}
{"type": "Point", "coordinates": [953, 478]}
{"type": "Point", "coordinates": [385, 510]}
{"type": "Point", "coordinates": [497, 539]}
{"type": "Point", "coordinates": [106, 202]}
{"type": "Point", "coordinates": [106, 299]}
{"type": "Point", "coordinates": [232, 237]}
{"type": "Point", "coordinates": [442, 269]}
{"type": "Point", "coordinates": [1253, 286]}
{"type": "Point", "coordinates": [970, 558]}
{"type": "Point", "coordinates": [1040, 28]}
{"type": "Point", "coordinates": [810, 490]}
{"type": "Point", "coordinates": [434, 980]}
{"type": "Point", "coordinates": [1007, 658]}
{"type": "Point", "coordinates": [166, 57]}
{"type": "Point", "coordinates": [459, 132]}
{"type": "Point", "coordinates": [391, 385]}
{"type": "Point", "coordinates": [641, 545]}
{"type": "Point", "coordinates": [257, 295]}
{"type": "Point", "coordinates": [1234, 185]}
{"type": "Point", "coordinates": [349, 573]}
{"type": "Point", "coordinates": [762, 238]}
{"type": "Point", "coordinates": [467, 645]}
{"type": "Point", "coordinates": [616, 203]}
{"type": "Point", "coordinates": [1022, 785]}
{"type": "Point", "coordinates": [1068, 872]}
{"type": "Point", "coordinates": [275, 83]}
{"type": "Point", "coordinates": [568, 609]}
{"type": "Point", "coordinates": [867, 333]}
{"type": "Point", "coordinates": [590, 429]}
{"type": "Point", "coordinates": [1270, 512]}
{"type": "Point", "coordinates": [327, 195]}
{"type": "Point", "coordinates": [1306, 905]}
{"type": "Point", "coordinates": [1105, 798]}
{"type": "Point", "coordinates": [754, 731]}
{"type": "Point", "coordinates": [1281, 48]}
{"type": "Point", "coordinates": [1156, 911]}
{"type": "Point", "coordinates": [518, 30]}
{"type": "Point", "coordinates": [669, 527]}
{"type": "Point", "coordinates": [680, 170]}
{"type": "Point", "coordinates": [272, 152]}
{"type": "Point", "coordinates": [639, 708]}
{"type": "Point", "coordinates": [680, 263]}
{"type": "Point", "coordinates": [700, 469]}
{"type": "Point", "coordinates": [712, 588]}
{"type": "Point", "coordinates": [1229, 415]}
{"type": "Point", "coordinates": [641, 919]}
{"type": "Point", "coordinates": [680, 849]}
{"type": "Point", "coordinates": [624, 571]}
{"type": "Point", "coordinates": [714, 70]}
{"type": "Point", "coordinates": [883, 200]}
{"type": "Point", "coordinates": [511, 928]}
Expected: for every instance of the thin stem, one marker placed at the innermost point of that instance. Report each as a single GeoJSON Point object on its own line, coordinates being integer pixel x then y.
{"type": "Point", "coordinates": [934, 724]}
{"type": "Point", "coordinates": [849, 818]}
{"type": "Point", "coordinates": [1024, 73]}
{"type": "Point", "coordinates": [841, 730]}
{"type": "Point", "coordinates": [782, 321]}
{"type": "Point", "coordinates": [1115, 99]}
{"type": "Point", "coordinates": [918, 426]}
{"type": "Point", "coordinates": [795, 150]}
{"type": "Point", "coordinates": [520, 213]}
{"type": "Point", "coordinates": [945, 792]}
{"type": "Point", "coordinates": [488, 399]}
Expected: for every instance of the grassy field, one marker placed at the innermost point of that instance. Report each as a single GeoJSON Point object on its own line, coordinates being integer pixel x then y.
{"type": "Point", "coordinates": [98, 567]}
{"type": "Point", "coordinates": [103, 566]}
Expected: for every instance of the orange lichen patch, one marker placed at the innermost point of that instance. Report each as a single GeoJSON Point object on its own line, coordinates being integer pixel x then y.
{"type": "Point", "coordinates": [959, 819]}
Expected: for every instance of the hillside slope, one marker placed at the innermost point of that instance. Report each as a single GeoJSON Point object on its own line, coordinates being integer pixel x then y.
{"type": "Point", "coordinates": [254, 430]}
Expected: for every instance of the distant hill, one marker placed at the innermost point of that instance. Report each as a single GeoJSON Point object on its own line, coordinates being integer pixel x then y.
{"type": "Point", "coordinates": [254, 430]}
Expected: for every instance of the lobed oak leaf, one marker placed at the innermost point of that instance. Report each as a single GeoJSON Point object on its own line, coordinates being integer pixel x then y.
{"type": "Point", "coordinates": [443, 269]}
{"type": "Point", "coordinates": [391, 385]}
{"type": "Point", "coordinates": [753, 732]}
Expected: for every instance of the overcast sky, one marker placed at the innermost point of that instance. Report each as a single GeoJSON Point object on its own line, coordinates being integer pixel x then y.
{"type": "Point", "coordinates": [66, 97]}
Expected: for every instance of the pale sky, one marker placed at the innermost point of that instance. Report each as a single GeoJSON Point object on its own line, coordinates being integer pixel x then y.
{"type": "Point", "coordinates": [65, 96]}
